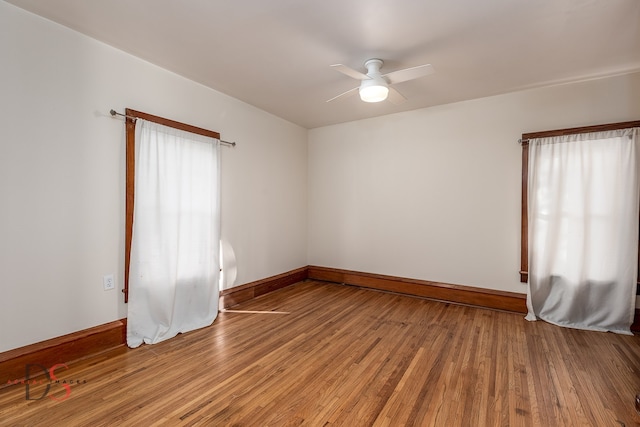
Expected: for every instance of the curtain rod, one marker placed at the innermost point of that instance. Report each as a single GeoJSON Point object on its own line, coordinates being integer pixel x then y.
{"type": "Point", "coordinates": [115, 113]}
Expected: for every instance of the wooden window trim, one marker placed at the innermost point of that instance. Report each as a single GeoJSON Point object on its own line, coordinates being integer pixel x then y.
{"type": "Point", "coordinates": [524, 223]}
{"type": "Point", "coordinates": [131, 116]}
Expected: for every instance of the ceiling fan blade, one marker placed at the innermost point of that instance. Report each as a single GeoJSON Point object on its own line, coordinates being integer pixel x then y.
{"type": "Point", "coordinates": [344, 94]}
{"type": "Point", "coordinates": [396, 97]}
{"type": "Point", "coordinates": [409, 73]}
{"type": "Point", "coordinates": [348, 71]}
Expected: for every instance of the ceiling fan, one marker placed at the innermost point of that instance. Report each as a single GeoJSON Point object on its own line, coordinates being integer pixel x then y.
{"type": "Point", "coordinates": [375, 86]}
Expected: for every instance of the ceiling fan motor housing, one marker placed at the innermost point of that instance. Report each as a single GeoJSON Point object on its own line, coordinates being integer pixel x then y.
{"type": "Point", "coordinates": [375, 88]}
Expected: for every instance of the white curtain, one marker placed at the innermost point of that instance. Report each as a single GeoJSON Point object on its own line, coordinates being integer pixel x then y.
{"type": "Point", "coordinates": [583, 230]}
{"type": "Point", "coordinates": [174, 263]}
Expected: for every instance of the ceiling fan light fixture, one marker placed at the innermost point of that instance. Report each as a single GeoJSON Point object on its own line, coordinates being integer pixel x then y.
{"type": "Point", "coordinates": [373, 90]}
{"type": "Point", "coordinates": [374, 86]}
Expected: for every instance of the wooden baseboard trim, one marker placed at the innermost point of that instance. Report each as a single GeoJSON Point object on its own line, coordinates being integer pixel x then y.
{"type": "Point", "coordinates": [487, 298]}
{"type": "Point", "coordinates": [64, 349]}
{"type": "Point", "coordinates": [234, 296]}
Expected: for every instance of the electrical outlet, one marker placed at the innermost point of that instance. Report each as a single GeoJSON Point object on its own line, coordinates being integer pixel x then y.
{"type": "Point", "coordinates": [108, 282]}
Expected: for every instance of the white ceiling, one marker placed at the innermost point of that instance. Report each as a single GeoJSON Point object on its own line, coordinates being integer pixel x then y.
{"type": "Point", "coordinates": [275, 54]}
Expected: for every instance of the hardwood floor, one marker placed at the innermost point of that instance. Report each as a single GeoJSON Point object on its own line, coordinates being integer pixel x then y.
{"type": "Point", "coordinates": [336, 355]}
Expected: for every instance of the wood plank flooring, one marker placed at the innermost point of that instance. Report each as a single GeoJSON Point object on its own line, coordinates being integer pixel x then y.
{"type": "Point", "coordinates": [344, 356]}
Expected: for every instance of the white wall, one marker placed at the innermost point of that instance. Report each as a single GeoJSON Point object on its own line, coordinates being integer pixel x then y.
{"type": "Point", "coordinates": [62, 175]}
{"type": "Point", "coordinates": [434, 194]}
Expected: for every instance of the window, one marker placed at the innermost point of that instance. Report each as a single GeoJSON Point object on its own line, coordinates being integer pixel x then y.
{"type": "Point", "coordinates": [524, 256]}
{"type": "Point", "coordinates": [131, 116]}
